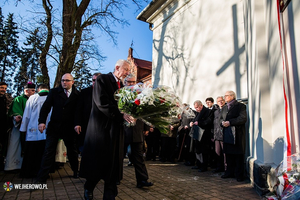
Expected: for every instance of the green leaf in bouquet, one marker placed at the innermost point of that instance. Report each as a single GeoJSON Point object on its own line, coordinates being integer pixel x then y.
{"type": "Point", "coordinates": [158, 106]}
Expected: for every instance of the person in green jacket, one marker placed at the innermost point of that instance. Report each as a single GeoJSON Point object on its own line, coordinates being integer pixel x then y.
{"type": "Point", "coordinates": [14, 150]}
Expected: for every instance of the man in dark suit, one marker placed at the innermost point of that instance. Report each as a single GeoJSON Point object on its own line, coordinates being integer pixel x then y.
{"type": "Point", "coordinates": [103, 150]}
{"type": "Point", "coordinates": [202, 147]}
{"type": "Point", "coordinates": [134, 136]}
{"type": "Point", "coordinates": [236, 117]}
{"type": "Point", "coordinates": [83, 112]}
{"type": "Point", "coordinates": [63, 101]}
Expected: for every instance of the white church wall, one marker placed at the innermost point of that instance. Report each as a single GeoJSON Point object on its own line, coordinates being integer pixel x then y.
{"type": "Point", "coordinates": [204, 48]}
{"type": "Point", "coordinates": [197, 53]}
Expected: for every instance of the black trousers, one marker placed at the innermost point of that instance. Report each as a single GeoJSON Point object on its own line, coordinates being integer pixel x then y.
{"type": "Point", "coordinates": [152, 147]}
{"type": "Point", "coordinates": [235, 165]}
{"type": "Point", "coordinates": [32, 158]}
{"type": "Point", "coordinates": [168, 148]}
{"type": "Point", "coordinates": [137, 159]}
{"type": "Point", "coordinates": [50, 152]}
{"type": "Point", "coordinates": [110, 188]}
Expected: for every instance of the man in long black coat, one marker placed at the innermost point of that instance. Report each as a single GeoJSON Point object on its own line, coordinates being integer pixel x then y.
{"type": "Point", "coordinates": [103, 151]}
{"type": "Point", "coordinates": [83, 112]}
{"type": "Point", "coordinates": [202, 147]}
{"type": "Point", "coordinates": [235, 116]}
{"type": "Point", "coordinates": [61, 125]}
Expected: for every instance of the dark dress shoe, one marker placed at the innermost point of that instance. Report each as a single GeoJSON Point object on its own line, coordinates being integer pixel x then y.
{"type": "Point", "coordinates": [75, 175]}
{"type": "Point", "coordinates": [227, 176]}
{"type": "Point", "coordinates": [109, 196]}
{"type": "Point", "coordinates": [144, 184]}
{"type": "Point", "coordinates": [88, 195]}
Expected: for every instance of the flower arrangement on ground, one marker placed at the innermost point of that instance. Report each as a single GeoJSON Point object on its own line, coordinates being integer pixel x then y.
{"type": "Point", "coordinates": [288, 180]}
{"type": "Point", "coordinates": [157, 106]}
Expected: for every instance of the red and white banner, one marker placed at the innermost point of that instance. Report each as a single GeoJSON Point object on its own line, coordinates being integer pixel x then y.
{"type": "Point", "coordinates": [291, 137]}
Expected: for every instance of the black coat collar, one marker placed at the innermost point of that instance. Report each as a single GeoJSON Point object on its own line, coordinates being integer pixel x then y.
{"type": "Point", "coordinates": [113, 80]}
{"type": "Point", "coordinates": [62, 93]}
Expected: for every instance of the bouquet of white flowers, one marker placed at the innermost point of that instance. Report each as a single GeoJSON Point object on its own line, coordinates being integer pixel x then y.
{"type": "Point", "coordinates": [288, 180]}
{"type": "Point", "coordinates": [157, 106]}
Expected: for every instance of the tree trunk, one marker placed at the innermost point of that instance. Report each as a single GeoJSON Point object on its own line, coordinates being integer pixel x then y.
{"type": "Point", "coordinates": [72, 33]}
{"type": "Point", "coordinates": [43, 62]}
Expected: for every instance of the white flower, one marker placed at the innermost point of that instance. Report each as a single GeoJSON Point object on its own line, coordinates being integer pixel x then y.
{"type": "Point", "coordinates": [292, 179]}
{"type": "Point", "coordinates": [146, 97]}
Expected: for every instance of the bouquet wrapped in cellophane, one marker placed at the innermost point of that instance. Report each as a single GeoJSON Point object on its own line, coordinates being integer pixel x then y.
{"type": "Point", "coordinates": [157, 106]}
{"type": "Point", "coordinates": [287, 186]}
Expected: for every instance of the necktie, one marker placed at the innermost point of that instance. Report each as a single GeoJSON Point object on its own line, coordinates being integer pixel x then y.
{"type": "Point", "coordinates": [119, 85]}
{"type": "Point", "coordinates": [66, 91]}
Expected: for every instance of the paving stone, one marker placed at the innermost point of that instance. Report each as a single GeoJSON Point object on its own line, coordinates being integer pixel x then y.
{"type": "Point", "coordinates": [172, 181]}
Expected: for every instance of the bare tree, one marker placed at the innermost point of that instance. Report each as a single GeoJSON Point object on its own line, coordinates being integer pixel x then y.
{"type": "Point", "coordinates": [43, 61]}
{"type": "Point", "coordinates": [78, 17]}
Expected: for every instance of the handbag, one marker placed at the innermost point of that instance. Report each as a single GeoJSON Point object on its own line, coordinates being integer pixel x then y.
{"type": "Point", "coordinates": [229, 135]}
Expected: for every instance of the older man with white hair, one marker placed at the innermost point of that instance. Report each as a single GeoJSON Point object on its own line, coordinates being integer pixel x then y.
{"type": "Point", "coordinates": [201, 145]}
{"type": "Point", "coordinates": [234, 128]}
{"type": "Point", "coordinates": [102, 155]}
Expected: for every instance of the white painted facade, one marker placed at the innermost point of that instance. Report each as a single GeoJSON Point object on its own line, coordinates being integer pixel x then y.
{"type": "Point", "coordinates": [192, 50]}
{"type": "Point", "coordinates": [205, 48]}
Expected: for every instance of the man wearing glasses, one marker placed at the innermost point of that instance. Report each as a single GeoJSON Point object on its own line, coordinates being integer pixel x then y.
{"type": "Point", "coordinates": [63, 101]}
{"type": "Point", "coordinates": [134, 136]}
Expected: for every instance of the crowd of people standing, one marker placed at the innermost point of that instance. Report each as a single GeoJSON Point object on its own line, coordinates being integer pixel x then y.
{"type": "Point", "coordinates": [90, 123]}
{"type": "Point", "coordinates": [211, 137]}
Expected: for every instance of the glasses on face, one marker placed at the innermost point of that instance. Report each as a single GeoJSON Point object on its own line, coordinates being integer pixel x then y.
{"type": "Point", "coordinates": [65, 80]}
{"type": "Point", "coordinates": [131, 81]}
{"type": "Point", "coordinates": [226, 95]}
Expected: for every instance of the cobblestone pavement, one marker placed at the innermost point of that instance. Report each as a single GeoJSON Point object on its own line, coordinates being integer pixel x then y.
{"type": "Point", "coordinates": [171, 181]}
